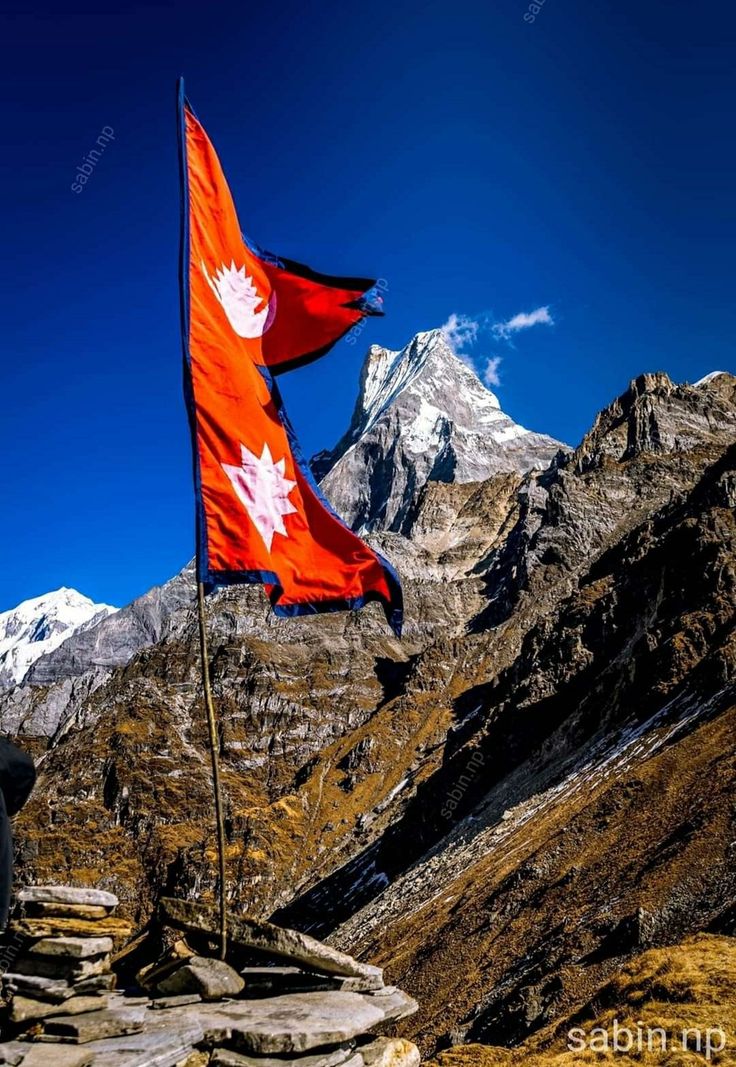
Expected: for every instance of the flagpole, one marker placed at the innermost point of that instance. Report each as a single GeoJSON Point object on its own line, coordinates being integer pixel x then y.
{"type": "Point", "coordinates": [215, 757]}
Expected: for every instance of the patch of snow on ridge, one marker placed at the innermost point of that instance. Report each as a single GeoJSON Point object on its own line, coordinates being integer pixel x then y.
{"type": "Point", "coordinates": [41, 624]}
{"type": "Point", "coordinates": [709, 377]}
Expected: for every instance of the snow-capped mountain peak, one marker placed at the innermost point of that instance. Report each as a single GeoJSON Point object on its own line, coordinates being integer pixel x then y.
{"type": "Point", "coordinates": [38, 625]}
{"type": "Point", "coordinates": [422, 414]}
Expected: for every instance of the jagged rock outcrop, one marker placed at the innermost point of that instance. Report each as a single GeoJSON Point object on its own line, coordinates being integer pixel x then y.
{"type": "Point", "coordinates": [421, 416]}
{"type": "Point", "coordinates": [463, 806]}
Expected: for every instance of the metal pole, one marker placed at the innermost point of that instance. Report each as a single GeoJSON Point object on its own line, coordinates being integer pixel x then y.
{"type": "Point", "coordinates": [214, 753]}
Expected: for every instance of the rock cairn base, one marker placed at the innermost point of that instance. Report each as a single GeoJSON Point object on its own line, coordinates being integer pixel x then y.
{"type": "Point", "coordinates": [303, 1004]}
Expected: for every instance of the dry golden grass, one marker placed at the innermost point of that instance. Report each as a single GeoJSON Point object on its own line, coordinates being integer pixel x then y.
{"type": "Point", "coordinates": [677, 989]}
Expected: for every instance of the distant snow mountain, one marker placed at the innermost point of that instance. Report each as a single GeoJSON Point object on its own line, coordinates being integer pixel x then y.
{"type": "Point", "coordinates": [421, 415]}
{"type": "Point", "coordinates": [39, 625]}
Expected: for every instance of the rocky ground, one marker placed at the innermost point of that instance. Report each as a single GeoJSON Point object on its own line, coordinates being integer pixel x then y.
{"type": "Point", "coordinates": [505, 808]}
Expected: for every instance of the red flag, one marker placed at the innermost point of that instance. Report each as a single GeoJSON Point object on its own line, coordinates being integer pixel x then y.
{"type": "Point", "coordinates": [260, 516]}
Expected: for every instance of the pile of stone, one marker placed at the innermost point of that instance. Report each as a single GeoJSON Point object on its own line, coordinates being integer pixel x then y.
{"type": "Point", "coordinates": [57, 957]}
{"type": "Point", "coordinates": [303, 1004]}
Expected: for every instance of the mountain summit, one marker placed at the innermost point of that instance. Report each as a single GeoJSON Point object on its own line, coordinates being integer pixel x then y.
{"type": "Point", "coordinates": [41, 624]}
{"type": "Point", "coordinates": [421, 415]}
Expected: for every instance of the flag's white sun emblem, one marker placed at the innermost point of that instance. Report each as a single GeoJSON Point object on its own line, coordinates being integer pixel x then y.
{"type": "Point", "coordinates": [240, 300]}
{"type": "Point", "coordinates": [263, 490]}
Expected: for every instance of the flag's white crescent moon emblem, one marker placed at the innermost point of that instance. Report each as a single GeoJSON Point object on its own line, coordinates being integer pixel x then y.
{"type": "Point", "coordinates": [263, 489]}
{"type": "Point", "coordinates": [239, 298]}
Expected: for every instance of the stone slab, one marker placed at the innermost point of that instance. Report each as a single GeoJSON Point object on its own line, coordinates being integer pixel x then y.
{"type": "Point", "coordinates": [76, 948]}
{"type": "Point", "coordinates": [296, 1022]}
{"type": "Point", "coordinates": [93, 1026]}
{"type": "Point", "coordinates": [54, 989]}
{"type": "Point", "coordinates": [212, 979]}
{"type": "Point", "coordinates": [26, 1009]}
{"type": "Point", "coordinates": [178, 1001]}
{"type": "Point", "coordinates": [67, 894]}
{"type": "Point", "coordinates": [12, 1052]}
{"type": "Point", "coordinates": [266, 937]}
{"type": "Point", "coordinates": [278, 980]}
{"type": "Point", "coordinates": [63, 1056]}
{"type": "Point", "coordinates": [48, 926]}
{"type": "Point", "coordinates": [342, 1056]}
{"type": "Point", "coordinates": [66, 911]}
{"type": "Point", "coordinates": [60, 968]}
{"type": "Point", "coordinates": [158, 1047]}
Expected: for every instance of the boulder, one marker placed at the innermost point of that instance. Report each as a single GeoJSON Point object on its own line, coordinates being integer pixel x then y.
{"type": "Point", "coordinates": [390, 1052]}
{"type": "Point", "coordinates": [212, 979]}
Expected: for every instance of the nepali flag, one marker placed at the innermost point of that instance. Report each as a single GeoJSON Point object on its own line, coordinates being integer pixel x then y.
{"type": "Point", "coordinates": [247, 315]}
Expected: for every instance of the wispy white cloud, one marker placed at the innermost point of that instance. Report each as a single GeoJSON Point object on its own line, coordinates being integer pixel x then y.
{"type": "Point", "coordinates": [464, 332]}
{"type": "Point", "coordinates": [461, 331]}
{"type": "Point", "coordinates": [490, 372]}
{"type": "Point", "coordinates": [524, 320]}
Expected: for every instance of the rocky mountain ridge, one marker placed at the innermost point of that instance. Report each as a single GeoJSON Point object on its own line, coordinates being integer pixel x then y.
{"type": "Point", "coordinates": [466, 803]}
{"type": "Point", "coordinates": [422, 415]}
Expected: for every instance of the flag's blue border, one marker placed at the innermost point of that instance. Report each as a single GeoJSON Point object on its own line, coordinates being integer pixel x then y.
{"type": "Point", "coordinates": [211, 578]}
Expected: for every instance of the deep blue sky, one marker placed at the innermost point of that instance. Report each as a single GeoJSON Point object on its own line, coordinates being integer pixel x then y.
{"type": "Point", "coordinates": [479, 163]}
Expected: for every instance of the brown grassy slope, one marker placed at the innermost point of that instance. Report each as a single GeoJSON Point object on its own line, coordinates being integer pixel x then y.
{"type": "Point", "coordinates": [677, 988]}
{"type": "Point", "coordinates": [531, 929]}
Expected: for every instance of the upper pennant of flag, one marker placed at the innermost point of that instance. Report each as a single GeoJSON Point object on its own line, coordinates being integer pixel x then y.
{"type": "Point", "coordinates": [239, 298]}
{"type": "Point", "coordinates": [263, 490]}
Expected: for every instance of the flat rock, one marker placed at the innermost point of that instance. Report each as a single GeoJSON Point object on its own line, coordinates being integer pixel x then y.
{"type": "Point", "coordinates": [212, 979]}
{"type": "Point", "coordinates": [63, 1056]}
{"type": "Point", "coordinates": [48, 926]}
{"type": "Point", "coordinates": [296, 1022]}
{"type": "Point", "coordinates": [60, 968]}
{"type": "Point", "coordinates": [177, 1001]}
{"type": "Point", "coordinates": [12, 1052]}
{"type": "Point", "coordinates": [390, 1052]}
{"type": "Point", "coordinates": [158, 1047]}
{"type": "Point", "coordinates": [67, 894]}
{"type": "Point", "coordinates": [25, 1009]}
{"type": "Point", "coordinates": [342, 1056]}
{"type": "Point", "coordinates": [77, 948]}
{"type": "Point", "coordinates": [266, 937]}
{"type": "Point", "coordinates": [54, 989]}
{"type": "Point", "coordinates": [278, 980]}
{"type": "Point", "coordinates": [93, 1026]}
{"type": "Point", "coordinates": [67, 911]}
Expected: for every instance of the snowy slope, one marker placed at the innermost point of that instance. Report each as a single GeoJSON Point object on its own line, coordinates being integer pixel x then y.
{"type": "Point", "coordinates": [41, 624]}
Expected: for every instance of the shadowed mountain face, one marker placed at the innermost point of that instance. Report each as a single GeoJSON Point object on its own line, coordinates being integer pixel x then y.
{"type": "Point", "coordinates": [532, 787]}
